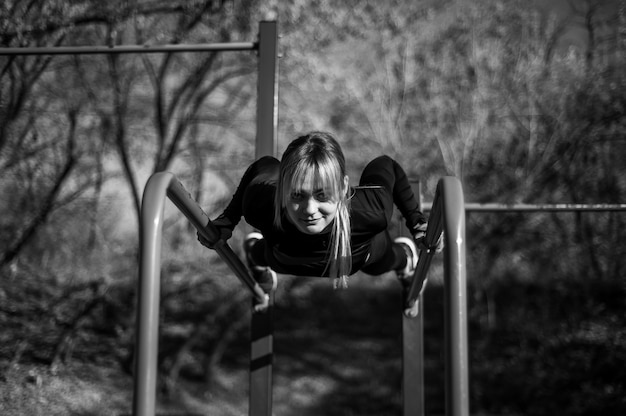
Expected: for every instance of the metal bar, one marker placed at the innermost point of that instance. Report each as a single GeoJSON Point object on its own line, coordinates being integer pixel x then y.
{"type": "Point", "coordinates": [198, 218]}
{"type": "Point", "coordinates": [90, 50]}
{"type": "Point", "coordinates": [497, 207]}
{"type": "Point", "coordinates": [261, 348]}
{"type": "Point", "coordinates": [148, 296]}
{"type": "Point", "coordinates": [413, 351]}
{"type": "Point", "coordinates": [455, 297]}
{"type": "Point", "coordinates": [267, 90]}
{"type": "Point", "coordinates": [413, 362]}
{"type": "Point", "coordinates": [262, 356]}
{"type": "Point", "coordinates": [435, 227]}
{"type": "Point", "coordinates": [157, 188]}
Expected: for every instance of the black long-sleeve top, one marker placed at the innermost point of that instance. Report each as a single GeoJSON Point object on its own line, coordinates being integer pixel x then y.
{"type": "Point", "coordinates": [382, 185]}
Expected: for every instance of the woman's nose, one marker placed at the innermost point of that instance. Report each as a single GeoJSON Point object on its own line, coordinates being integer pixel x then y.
{"type": "Point", "coordinates": [310, 207]}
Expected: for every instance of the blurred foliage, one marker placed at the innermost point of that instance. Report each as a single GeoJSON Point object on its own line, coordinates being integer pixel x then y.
{"type": "Point", "coordinates": [494, 93]}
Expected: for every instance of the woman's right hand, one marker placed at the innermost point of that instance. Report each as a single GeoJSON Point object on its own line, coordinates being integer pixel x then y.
{"type": "Point", "coordinates": [222, 225]}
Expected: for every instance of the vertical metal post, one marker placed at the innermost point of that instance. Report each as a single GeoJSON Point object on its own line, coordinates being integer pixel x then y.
{"type": "Point", "coordinates": [413, 352]}
{"type": "Point", "coordinates": [261, 355]}
{"type": "Point", "coordinates": [267, 88]}
{"type": "Point", "coordinates": [455, 298]}
{"type": "Point", "coordinates": [261, 348]}
{"type": "Point", "coordinates": [413, 363]}
{"type": "Point", "coordinates": [148, 297]}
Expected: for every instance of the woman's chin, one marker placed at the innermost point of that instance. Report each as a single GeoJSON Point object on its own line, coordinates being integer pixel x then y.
{"type": "Point", "coordinates": [311, 228]}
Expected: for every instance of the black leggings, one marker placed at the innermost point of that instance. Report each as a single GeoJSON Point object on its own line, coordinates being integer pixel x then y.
{"type": "Point", "coordinates": [384, 254]}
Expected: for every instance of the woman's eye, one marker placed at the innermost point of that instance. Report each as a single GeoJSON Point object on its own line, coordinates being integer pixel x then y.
{"type": "Point", "coordinates": [322, 196]}
{"type": "Point", "coordinates": [296, 196]}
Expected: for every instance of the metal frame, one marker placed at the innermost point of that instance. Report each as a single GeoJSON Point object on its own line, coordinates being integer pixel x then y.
{"type": "Point", "coordinates": [497, 207]}
{"type": "Point", "coordinates": [413, 361]}
{"type": "Point", "coordinates": [448, 212]}
{"type": "Point", "coordinates": [162, 184]}
{"type": "Point", "coordinates": [122, 49]}
{"type": "Point", "coordinates": [267, 82]}
{"type": "Point", "coordinates": [267, 87]}
{"type": "Point", "coordinates": [158, 187]}
{"type": "Point", "coordinates": [447, 215]}
{"type": "Point", "coordinates": [455, 301]}
{"type": "Point", "coordinates": [261, 327]}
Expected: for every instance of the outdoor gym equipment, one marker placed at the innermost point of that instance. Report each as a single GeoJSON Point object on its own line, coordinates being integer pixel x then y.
{"type": "Point", "coordinates": [447, 215]}
{"type": "Point", "coordinates": [267, 71]}
{"type": "Point", "coordinates": [164, 183]}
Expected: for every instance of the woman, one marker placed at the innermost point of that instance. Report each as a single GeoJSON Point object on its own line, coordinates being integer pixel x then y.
{"type": "Point", "coordinates": [312, 223]}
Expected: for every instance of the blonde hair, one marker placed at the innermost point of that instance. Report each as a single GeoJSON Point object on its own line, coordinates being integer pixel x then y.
{"type": "Point", "coordinates": [316, 161]}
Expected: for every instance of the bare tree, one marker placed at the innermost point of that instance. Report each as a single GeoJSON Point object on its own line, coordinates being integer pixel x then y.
{"type": "Point", "coordinates": [126, 95]}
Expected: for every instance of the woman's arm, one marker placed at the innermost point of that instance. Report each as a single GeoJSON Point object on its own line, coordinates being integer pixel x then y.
{"type": "Point", "coordinates": [249, 196]}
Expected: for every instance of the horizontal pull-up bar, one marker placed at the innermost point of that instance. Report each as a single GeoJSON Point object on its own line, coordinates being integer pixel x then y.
{"type": "Point", "coordinates": [85, 50]}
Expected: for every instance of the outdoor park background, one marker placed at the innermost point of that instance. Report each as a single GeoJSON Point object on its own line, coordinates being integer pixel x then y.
{"type": "Point", "coordinates": [521, 104]}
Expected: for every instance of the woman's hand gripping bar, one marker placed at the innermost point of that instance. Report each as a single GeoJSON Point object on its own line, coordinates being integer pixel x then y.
{"type": "Point", "coordinates": [429, 245]}
{"type": "Point", "coordinates": [194, 213]}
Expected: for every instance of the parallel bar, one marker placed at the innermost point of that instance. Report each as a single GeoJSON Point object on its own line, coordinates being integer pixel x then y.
{"type": "Point", "coordinates": [158, 187]}
{"type": "Point", "coordinates": [262, 356]}
{"type": "Point", "coordinates": [194, 213]}
{"type": "Point", "coordinates": [435, 227]}
{"type": "Point", "coordinates": [455, 297]}
{"type": "Point", "coordinates": [448, 215]}
{"type": "Point", "coordinates": [89, 50]}
{"type": "Point", "coordinates": [148, 297]}
{"type": "Point", "coordinates": [496, 207]}
{"type": "Point", "coordinates": [413, 351]}
{"type": "Point", "coordinates": [413, 362]}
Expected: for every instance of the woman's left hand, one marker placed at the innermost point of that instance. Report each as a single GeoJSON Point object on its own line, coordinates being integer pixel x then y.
{"type": "Point", "coordinates": [419, 235]}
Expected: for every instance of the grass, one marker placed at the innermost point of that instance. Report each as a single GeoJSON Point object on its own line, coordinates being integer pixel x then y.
{"type": "Point", "coordinates": [338, 353]}
{"type": "Point", "coordinates": [330, 354]}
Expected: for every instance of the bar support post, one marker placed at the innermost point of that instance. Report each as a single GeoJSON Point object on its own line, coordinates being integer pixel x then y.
{"type": "Point", "coordinates": [267, 88]}
{"type": "Point", "coordinates": [262, 353]}
{"type": "Point", "coordinates": [455, 298]}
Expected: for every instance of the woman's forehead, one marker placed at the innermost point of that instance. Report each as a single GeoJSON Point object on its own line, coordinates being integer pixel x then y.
{"type": "Point", "coordinates": [310, 183]}
{"type": "Point", "coordinates": [312, 180]}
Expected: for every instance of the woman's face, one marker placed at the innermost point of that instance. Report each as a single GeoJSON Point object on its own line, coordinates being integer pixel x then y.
{"type": "Point", "coordinates": [311, 210]}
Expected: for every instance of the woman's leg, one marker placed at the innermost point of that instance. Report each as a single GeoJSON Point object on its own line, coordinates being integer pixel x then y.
{"type": "Point", "coordinates": [385, 256]}
{"type": "Point", "coordinates": [387, 173]}
{"type": "Point", "coordinates": [254, 247]}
